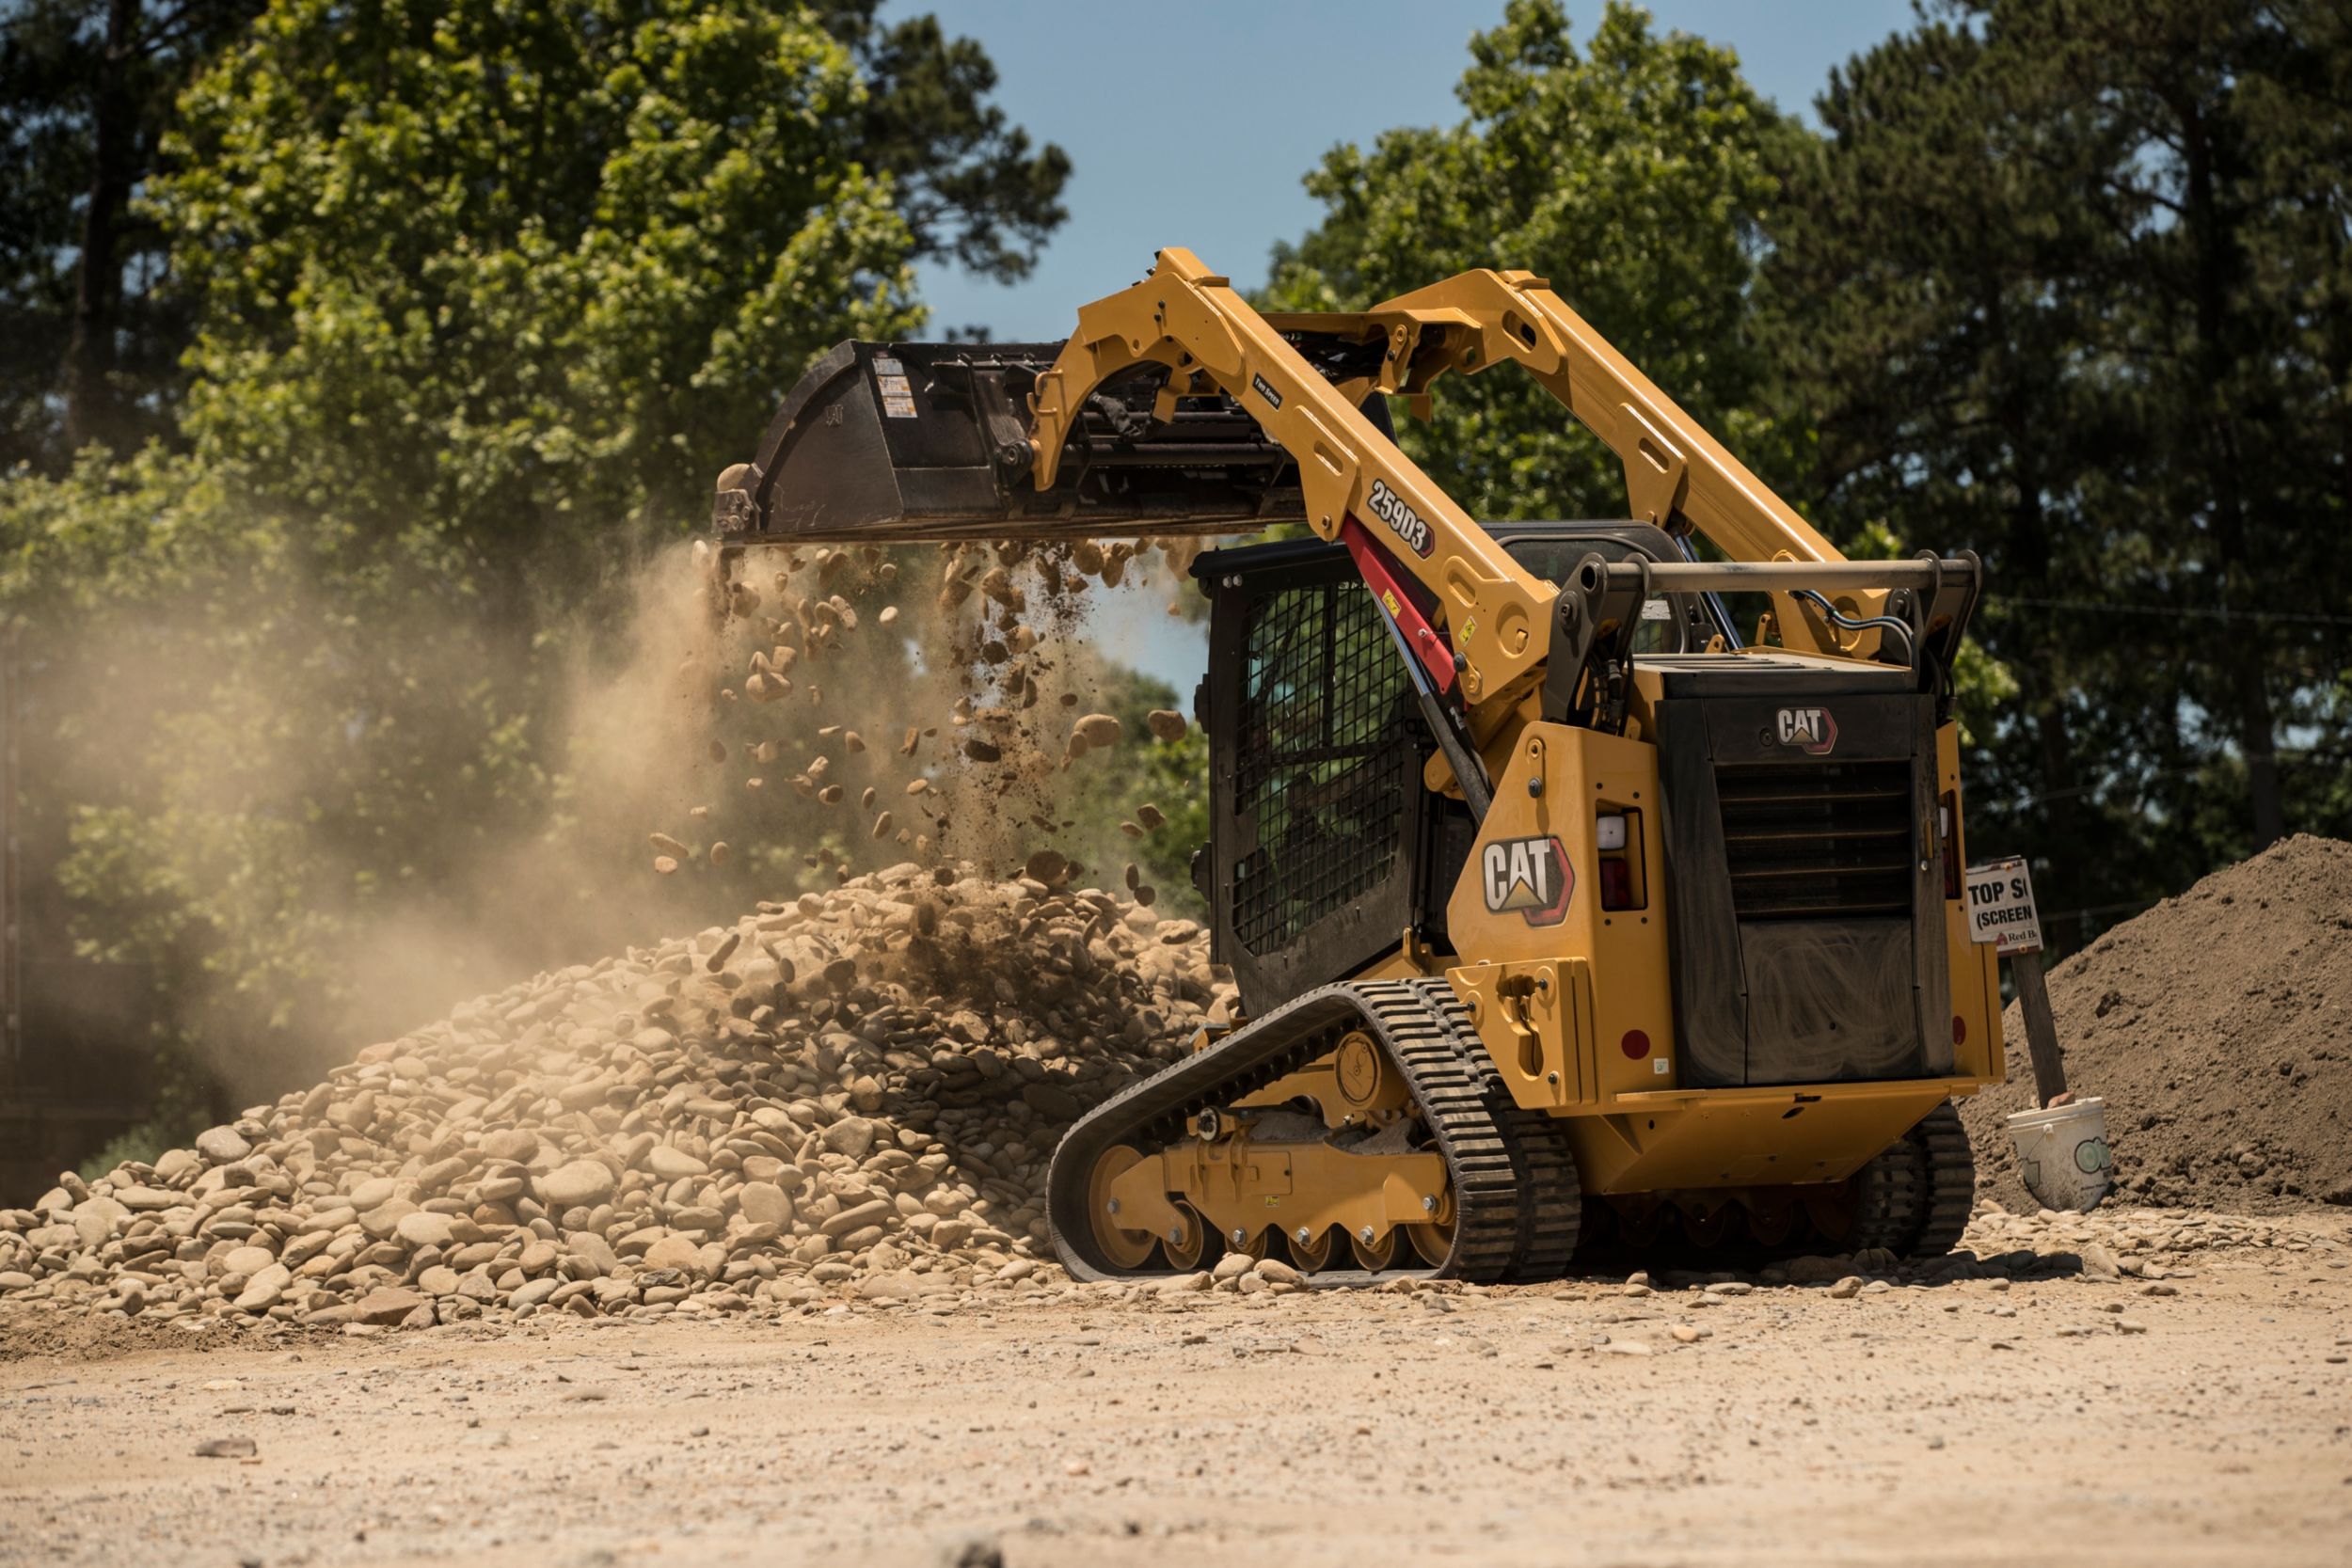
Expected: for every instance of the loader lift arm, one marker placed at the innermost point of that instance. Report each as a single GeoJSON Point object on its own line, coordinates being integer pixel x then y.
{"type": "Point", "coordinates": [1176, 407]}
{"type": "Point", "coordinates": [1471, 610]}
{"type": "Point", "coordinates": [1350, 474]}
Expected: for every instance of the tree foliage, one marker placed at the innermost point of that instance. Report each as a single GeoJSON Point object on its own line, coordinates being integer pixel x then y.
{"type": "Point", "coordinates": [90, 333]}
{"type": "Point", "coordinates": [1632, 174]}
{"type": "Point", "coordinates": [2066, 284]}
{"type": "Point", "coordinates": [495, 275]}
{"type": "Point", "coordinates": [481, 299]}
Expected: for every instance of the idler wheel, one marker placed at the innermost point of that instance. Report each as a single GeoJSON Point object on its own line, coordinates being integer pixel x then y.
{"type": "Point", "coordinates": [1122, 1248]}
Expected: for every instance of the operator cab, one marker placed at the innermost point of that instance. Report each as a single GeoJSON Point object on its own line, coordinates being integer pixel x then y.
{"type": "Point", "coordinates": [1793, 878]}
{"type": "Point", "coordinates": [1324, 844]}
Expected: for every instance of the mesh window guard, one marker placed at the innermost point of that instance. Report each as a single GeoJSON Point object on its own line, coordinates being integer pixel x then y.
{"type": "Point", "coordinates": [1324, 716]}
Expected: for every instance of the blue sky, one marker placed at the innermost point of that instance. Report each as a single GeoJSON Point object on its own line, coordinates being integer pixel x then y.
{"type": "Point", "coordinates": [1194, 125]}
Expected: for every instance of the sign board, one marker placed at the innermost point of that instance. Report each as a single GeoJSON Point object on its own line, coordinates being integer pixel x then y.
{"type": "Point", "coordinates": [2000, 907]}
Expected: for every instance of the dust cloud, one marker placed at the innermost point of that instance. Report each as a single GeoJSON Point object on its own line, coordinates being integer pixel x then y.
{"type": "Point", "coordinates": [357, 821]}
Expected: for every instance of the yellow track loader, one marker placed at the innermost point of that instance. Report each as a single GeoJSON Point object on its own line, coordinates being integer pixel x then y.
{"type": "Point", "coordinates": [1562, 915]}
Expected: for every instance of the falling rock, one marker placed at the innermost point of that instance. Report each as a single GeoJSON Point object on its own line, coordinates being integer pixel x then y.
{"type": "Point", "coordinates": [1167, 724]}
{"type": "Point", "coordinates": [1096, 730]}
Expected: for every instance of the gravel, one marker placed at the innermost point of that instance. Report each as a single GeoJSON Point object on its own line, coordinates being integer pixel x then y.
{"type": "Point", "coordinates": [855, 1094]}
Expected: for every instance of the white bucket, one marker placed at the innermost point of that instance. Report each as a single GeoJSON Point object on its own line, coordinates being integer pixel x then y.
{"type": "Point", "coordinates": [2062, 1154]}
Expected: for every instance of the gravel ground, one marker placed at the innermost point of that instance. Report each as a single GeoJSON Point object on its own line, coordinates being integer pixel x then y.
{"type": "Point", "coordinates": [2195, 1409]}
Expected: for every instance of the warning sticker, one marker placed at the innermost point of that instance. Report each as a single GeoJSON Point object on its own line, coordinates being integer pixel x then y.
{"type": "Point", "coordinates": [885, 365]}
{"type": "Point", "coordinates": [898, 392]}
{"type": "Point", "coordinates": [2000, 907]}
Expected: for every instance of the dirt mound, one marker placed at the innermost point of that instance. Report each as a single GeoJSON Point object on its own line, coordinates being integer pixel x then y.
{"type": "Point", "coordinates": [2218, 1027]}
{"type": "Point", "coordinates": [857, 1092]}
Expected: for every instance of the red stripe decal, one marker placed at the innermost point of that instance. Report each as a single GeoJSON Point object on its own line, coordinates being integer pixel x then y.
{"type": "Point", "coordinates": [1398, 602]}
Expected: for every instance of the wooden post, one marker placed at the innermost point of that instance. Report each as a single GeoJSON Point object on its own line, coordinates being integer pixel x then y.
{"type": "Point", "coordinates": [2033, 1000]}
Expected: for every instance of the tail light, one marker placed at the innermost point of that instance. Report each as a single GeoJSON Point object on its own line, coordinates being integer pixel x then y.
{"type": "Point", "coordinates": [1617, 840]}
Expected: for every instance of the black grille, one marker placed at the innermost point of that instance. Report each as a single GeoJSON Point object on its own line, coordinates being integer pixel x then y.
{"type": "Point", "coordinates": [1818, 839]}
{"type": "Point", "coordinates": [1320, 759]}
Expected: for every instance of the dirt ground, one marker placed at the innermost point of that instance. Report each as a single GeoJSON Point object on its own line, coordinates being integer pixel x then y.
{"type": "Point", "coordinates": [2049, 1417]}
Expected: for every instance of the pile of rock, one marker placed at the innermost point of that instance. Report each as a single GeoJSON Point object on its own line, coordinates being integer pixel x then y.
{"type": "Point", "coordinates": [856, 1093]}
{"type": "Point", "coordinates": [2214, 1026]}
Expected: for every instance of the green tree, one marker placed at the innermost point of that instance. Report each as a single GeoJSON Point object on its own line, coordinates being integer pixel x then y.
{"type": "Point", "coordinates": [497, 280]}
{"type": "Point", "coordinates": [485, 298]}
{"type": "Point", "coordinates": [1633, 175]}
{"type": "Point", "coordinates": [969, 186]}
{"type": "Point", "coordinates": [89, 336]}
{"type": "Point", "coordinates": [2065, 285]}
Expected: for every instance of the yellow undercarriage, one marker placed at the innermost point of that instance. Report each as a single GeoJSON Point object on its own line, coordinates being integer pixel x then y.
{"type": "Point", "coordinates": [1772, 1152]}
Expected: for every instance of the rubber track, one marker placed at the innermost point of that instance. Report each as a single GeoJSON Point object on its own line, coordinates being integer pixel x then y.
{"type": "Point", "coordinates": [1551, 1200]}
{"type": "Point", "coordinates": [1914, 1198]}
{"type": "Point", "coordinates": [1951, 1182]}
{"type": "Point", "coordinates": [1497, 1157]}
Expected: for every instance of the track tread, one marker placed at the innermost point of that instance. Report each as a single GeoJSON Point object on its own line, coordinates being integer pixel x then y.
{"type": "Point", "coordinates": [1514, 1177]}
{"type": "Point", "coordinates": [1915, 1198]}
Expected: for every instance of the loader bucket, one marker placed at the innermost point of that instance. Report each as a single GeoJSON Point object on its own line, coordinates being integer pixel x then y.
{"type": "Point", "coordinates": [904, 441]}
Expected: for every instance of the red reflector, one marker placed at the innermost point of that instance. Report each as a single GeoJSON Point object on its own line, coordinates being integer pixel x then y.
{"type": "Point", "coordinates": [1616, 885]}
{"type": "Point", "coordinates": [1960, 1030]}
{"type": "Point", "coordinates": [1636, 1044]}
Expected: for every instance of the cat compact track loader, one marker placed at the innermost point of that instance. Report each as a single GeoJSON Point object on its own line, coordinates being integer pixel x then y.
{"type": "Point", "coordinates": [1560, 914]}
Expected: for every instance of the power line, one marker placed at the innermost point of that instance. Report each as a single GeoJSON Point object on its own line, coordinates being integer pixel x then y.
{"type": "Point", "coordinates": [2202, 612]}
